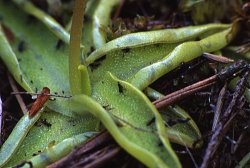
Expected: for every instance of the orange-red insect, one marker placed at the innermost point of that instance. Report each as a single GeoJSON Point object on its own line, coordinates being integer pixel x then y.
{"type": "Point", "coordinates": [40, 101]}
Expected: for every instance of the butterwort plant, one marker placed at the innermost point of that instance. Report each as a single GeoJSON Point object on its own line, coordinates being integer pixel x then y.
{"type": "Point", "coordinates": [104, 85]}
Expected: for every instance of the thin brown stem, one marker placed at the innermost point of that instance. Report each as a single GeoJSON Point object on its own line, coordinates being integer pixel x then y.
{"type": "Point", "coordinates": [218, 58]}
{"type": "Point", "coordinates": [182, 93]}
{"type": "Point", "coordinates": [225, 122]}
{"type": "Point", "coordinates": [18, 97]}
{"type": "Point", "coordinates": [223, 75]}
{"type": "Point", "coordinates": [219, 106]}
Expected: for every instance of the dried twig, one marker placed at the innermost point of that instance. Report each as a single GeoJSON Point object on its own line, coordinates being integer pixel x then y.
{"type": "Point", "coordinates": [218, 58]}
{"type": "Point", "coordinates": [182, 93]}
{"type": "Point", "coordinates": [219, 105]}
{"type": "Point", "coordinates": [223, 75]}
{"type": "Point", "coordinates": [223, 126]}
{"type": "Point", "coordinates": [94, 153]}
{"type": "Point", "coordinates": [18, 97]}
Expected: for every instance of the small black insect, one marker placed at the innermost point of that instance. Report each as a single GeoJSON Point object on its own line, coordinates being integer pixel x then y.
{"type": "Point", "coordinates": [126, 50]}
{"type": "Point", "coordinates": [59, 44]}
{"type": "Point", "coordinates": [21, 46]}
{"type": "Point", "coordinates": [120, 88]}
{"type": "Point", "coordinates": [93, 66]}
{"type": "Point", "coordinates": [97, 63]}
{"type": "Point", "coordinates": [160, 144]}
{"type": "Point", "coordinates": [43, 122]}
{"type": "Point", "coordinates": [36, 90]}
{"type": "Point", "coordinates": [173, 122]}
{"type": "Point", "coordinates": [46, 123]}
{"type": "Point", "coordinates": [37, 153]}
{"type": "Point", "coordinates": [107, 107]}
{"type": "Point", "coordinates": [151, 121]}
